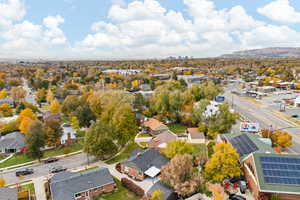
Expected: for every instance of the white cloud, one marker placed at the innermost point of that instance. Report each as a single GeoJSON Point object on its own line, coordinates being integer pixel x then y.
{"type": "Point", "coordinates": [11, 10]}
{"type": "Point", "coordinates": [280, 11]}
{"type": "Point", "coordinates": [23, 38]}
{"type": "Point", "coordinates": [146, 29]}
{"type": "Point", "coordinates": [53, 33]}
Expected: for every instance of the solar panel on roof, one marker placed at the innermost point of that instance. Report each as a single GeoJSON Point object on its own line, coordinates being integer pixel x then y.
{"type": "Point", "coordinates": [281, 170]}
{"type": "Point", "coordinates": [243, 144]}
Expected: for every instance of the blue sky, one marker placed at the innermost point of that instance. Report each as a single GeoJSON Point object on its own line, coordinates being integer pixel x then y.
{"type": "Point", "coordinates": [126, 29]}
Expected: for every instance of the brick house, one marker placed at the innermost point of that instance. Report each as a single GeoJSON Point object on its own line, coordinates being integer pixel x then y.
{"type": "Point", "coordinates": [154, 126]}
{"type": "Point", "coordinates": [270, 174]}
{"type": "Point", "coordinates": [143, 163]}
{"type": "Point", "coordinates": [68, 136]}
{"type": "Point", "coordinates": [81, 186]}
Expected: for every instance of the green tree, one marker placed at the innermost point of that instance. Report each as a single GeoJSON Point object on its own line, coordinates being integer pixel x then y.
{"type": "Point", "coordinates": [124, 124]}
{"type": "Point", "coordinates": [75, 123]}
{"type": "Point", "coordinates": [35, 140]}
{"type": "Point", "coordinates": [223, 164]}
{"type": "Point", "coordinates": [53, 132]}
{"type": "Point", "coordinates": [98, 141]}
{"type": "Point", "coordinates": [85, 115]}
{"type": "Point", "coordinates": [178, 147]}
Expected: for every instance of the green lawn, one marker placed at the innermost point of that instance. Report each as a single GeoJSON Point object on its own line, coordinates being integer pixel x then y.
{"type": "Point", "coordinates": [30, 188]}
{"type": "Point", "coordinates": [121, 193]}
{"type": "Point", "coordinates": [130, 147]}
{"type": "Point", "coordinates": [21, 158]}
{"type": "Point", "coordinates": [200, 148]}
{"type": "Point", "coordinates": [144, 135]}
{"type": "Point", "coordinates": [177, 128]}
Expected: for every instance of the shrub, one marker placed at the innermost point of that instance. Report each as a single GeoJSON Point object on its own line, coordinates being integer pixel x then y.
{"type": "Point", "coordinates": [118, 167]}
{"type": "Point", "coordinates": [130, 185]}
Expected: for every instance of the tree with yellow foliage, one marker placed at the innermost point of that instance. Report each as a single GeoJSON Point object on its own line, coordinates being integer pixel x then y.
{"type": "Point", "coordinates": [157, 195]}
{"type": "Point", "coordinates": [2, 182]}
{"type": "Point", "coordinates": [3, 94]}
{"type": "Point", "coordinates": [25, 124]}
{"type": "Point", "coordinates": [55, 107]}
{"type": "Point", "coordinates": [6, 110]}
{"type": "Point", "coordinates": [50, 96]}
{"type": "Point", "coordinates": [26, 113]}
{"type": "Point", "coordinates": [223, 164]}
{"type": "Point", "coordinates": [135, 83]}
{"type": "Point", "coordinates": [25, 118]}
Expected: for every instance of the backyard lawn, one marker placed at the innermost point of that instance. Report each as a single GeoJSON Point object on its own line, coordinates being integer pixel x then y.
{"type": "Point", "coordinates": [177, 128]}
{"type": "Point", "coordinates": [21, 158]}
{"type": "Point", "coordinates": [30, 189]}
{"type": "Point", "coordinates": [199, 148]}
{"type": "Point", "coordinates": [125, 153]}
{"type": "Point", "coordinates": [121, 193]}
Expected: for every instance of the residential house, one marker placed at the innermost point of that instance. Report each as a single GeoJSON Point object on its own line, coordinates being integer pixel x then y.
{"type": "Point", "coordinates": [168, 193]}
{"type": "Point", "coordinates": [154, 127]}
{"type": "Point", "coordinates": [81, 186]}
{"type": "Point", "coordinates": [7, 193]}
{"type": "Point", "coordinates": [270, 174]}
{"type": "Point", "coordinates": [161, 140]}
{"type": "Point", "coordinates": [297, 102]}
{"type": "Point", "coordinates": [8, 101]}
{"type": "Point", "coordinates": [191, 79]}
{"type": "Point", "coordinates": [266, 89]}
{"type": "Point", "coordinates": [247, 143]}
{"type": "Point", "coordinates": [12, 143]}
{"type": "Point", "coordinates": [195, 136]}
{"type": "Point", "coordinates": [145, 163]}
{"type": "Point", "coordinates": [68, 135]}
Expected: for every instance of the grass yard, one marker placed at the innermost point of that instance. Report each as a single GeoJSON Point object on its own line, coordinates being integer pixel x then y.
{"type": "Point", "coordinates": [200, 148]}
{"type": "Point", "coordinates": [177, 128]}
{"type": "Point", "coordinates": [121, 193]}
{"type": "Point", "coordinates": [144, 135]}
{"type": "Point", "coordinates": [125, 153]}
{"type": "Point", "coordinates": [21, 158]}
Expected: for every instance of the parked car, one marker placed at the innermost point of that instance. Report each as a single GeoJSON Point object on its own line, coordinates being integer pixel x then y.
{"type": "Point", "coordinates": [24, 172]}
{"type": "Point", "coordinates": [236, 179]}
{"type": "Point", "coordinates": [50, 160]}
{"type": "Point", "coordinates": [243, 186]}
{"type": "Point", "coordinates": [236, 197]}
{"type": "Point", "coordinates": [57, 169]}
{"type": "Point", "coordinates": [295, 116]}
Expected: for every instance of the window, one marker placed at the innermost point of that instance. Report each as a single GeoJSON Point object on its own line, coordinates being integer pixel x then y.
{"type": "Point", "coordinates": [77, 196]}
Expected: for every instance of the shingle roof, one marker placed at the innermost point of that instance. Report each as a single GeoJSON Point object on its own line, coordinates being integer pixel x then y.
{"type": "Point", "coordinates": [195, 133]}
{"type": "Point", "coordinates": [66, 184]}
{"type": "Point", "coordinates": [168, 193]}
{"type": "Point", "coordinates": [154, 124]}
{"type": "Point", "coordinates": [15, 140]}
{"type": "Point", "coordinates": [8, 193]}
{"type": "Point", "coordinates": [146, 159]}
{"type": "Point", "coordinates": [261, 146]}
{"type": "Point", "coordinates": [276, 188]}
{"type": "Point", "coordinates": [164, 137]}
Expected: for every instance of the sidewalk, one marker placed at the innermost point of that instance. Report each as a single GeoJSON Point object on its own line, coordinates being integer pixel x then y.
{"type": "Point", "coordinates": [39, 186]}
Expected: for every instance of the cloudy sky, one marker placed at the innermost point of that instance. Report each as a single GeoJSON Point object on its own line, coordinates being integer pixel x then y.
{"type": "Point", "coordinates": [126, 29]}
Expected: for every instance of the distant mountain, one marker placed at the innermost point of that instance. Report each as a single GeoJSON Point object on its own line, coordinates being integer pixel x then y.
{"type": "Point", "coordinates": [274, 52]}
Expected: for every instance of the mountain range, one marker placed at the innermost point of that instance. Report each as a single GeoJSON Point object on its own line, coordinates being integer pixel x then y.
{"type": "Point", "coordinates": [273, 52]}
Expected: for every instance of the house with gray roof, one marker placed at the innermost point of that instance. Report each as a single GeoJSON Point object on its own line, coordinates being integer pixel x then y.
{"type": "Point", "coordinates": [12, 142]}
{"type": "Point", "coordinates": [7, 193]}
{"type": "Point", "coordinates": [247, 143]}
{"type": "Point", "coordinates": [144, 163]}
{"type": "Point", "coordinates": [168, 193]}
{"type": "Point", "coordinates": [8, 101]}
{"type": "Point", "coordinates": [81, 186]}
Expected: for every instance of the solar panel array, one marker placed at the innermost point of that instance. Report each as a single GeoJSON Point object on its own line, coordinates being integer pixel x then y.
{"type": "Point", "coordinates": [281, 170]}
{"type": "Point", "coordinates": [243, 144]}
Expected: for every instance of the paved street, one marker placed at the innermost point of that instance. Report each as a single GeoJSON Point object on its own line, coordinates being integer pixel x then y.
{"type": "Point", "coordinates": [43, 169]}
{"type": "Point", "coordinates": [30, 98]}
{"type": "Point", "coordinates": [264, 117]}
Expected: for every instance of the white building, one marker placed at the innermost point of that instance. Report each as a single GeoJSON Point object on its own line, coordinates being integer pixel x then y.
{"type": "Point", "coordinates": [297, 102]}
{"type": "Point", "coordinates": [68, 135]}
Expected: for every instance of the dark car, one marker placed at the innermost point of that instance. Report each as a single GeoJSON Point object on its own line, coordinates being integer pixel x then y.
{"type": "Point", "coordinates": [236, 197]}
{"type": "Point", "coordinates": [57, 169]}
{"type": "Point", "coordinates": [243, 186]}
{"type": "Point", "coordinates": [295, 116]}
{"type": "Point", "coordinates": [24, 172]}
{"type": "Point", "coordinates": [50, 160]}
{"type": "Point", "coordinates": [236, 180]}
